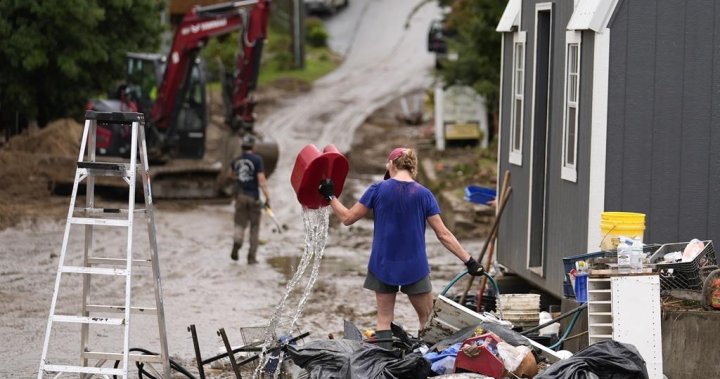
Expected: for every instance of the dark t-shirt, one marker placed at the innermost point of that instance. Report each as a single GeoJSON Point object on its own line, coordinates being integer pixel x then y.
{"type": "Point", "coordinates": [400, 210]}
{"type": "Point", "coordinates": [247, 167]}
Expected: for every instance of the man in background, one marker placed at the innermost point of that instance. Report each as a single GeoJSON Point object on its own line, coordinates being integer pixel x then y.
{"type": "Point", "coordinates": [249, 174]}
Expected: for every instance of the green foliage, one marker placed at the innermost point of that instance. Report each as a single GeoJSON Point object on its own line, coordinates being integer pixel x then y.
{"type": "Point", "coordinates": [315, 33]}
{"type": "Point", "coordinates": [220, 51]}
{"type": "Point", "coordinates": [478, 44]}
{"type": "Point", "coordinates": [57, 54]}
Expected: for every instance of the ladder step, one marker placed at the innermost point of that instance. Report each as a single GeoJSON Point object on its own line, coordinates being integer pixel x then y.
{"type": "Point", "coordinates": [88, 320]}
{"type": "Point", "coordinates": [84, 370]}
{"type": "Point", "coordinates": [104, 168]}
{"type": "Point", "coordinates": [99, 221]}
{"type": "Point", "coordinates": [105, 213]}
{"type": "Point", "coordinates": [120, 309]}
{"type": "Point", "coordinates": [119, 262]}
{"type": "Point", "coordinates": [115, 117]}
{"type": "Point", "coordinates": [119, 357]}
{"type": "Point", "coordinates": [94, 270]}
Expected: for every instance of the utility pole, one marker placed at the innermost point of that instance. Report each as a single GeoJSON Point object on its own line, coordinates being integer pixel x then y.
{"type": "Point", "coordinates": [298, 32]}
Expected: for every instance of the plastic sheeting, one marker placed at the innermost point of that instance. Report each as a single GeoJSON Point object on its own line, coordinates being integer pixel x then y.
{"type": "Point", "coordinates": [444, 362]}
{"type": "Point", "coordinates": [345, 359]}
{"type": "Point", "coordinates": [603, 360]}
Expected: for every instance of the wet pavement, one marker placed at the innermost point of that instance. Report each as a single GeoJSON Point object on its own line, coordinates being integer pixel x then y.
{"type": "Point", "coordinates": [202, 286]}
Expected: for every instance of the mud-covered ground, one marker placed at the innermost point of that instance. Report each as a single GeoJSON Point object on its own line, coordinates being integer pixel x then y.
{"type": "Point", "coordinates": [201, 285]}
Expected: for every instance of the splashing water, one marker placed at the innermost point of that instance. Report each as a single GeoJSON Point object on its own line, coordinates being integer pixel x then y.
{"type": "Point", "coordinates": [316, 232]}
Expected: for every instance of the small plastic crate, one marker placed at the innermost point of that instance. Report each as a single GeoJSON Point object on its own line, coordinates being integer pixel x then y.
{"type": "Point", "coordinates": [569, 263]}
{"type": "Point", "coordinates": [485, 363]}
{"type": "Point", "coordinates": [684, 275]}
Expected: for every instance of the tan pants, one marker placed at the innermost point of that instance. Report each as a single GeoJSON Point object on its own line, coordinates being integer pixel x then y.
{"type": "Point", "coordinates": [247, 209]}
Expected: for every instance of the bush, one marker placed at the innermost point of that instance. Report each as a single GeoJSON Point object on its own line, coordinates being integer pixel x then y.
{"type": "Point", "coordinates": [315, 33]}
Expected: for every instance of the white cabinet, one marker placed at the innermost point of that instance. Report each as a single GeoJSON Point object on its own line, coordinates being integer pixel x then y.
{"type": "Point", "coordinates": [627, 309]}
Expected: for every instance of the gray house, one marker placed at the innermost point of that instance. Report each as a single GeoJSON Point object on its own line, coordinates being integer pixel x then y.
{"type": "Point", "coordinates": [607, 105]}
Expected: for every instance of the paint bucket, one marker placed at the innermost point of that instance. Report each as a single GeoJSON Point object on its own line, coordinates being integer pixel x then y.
{"type": "Point", "coordinates": [311, 167]}
{"type": "Point", "coordinates": [616, 224]}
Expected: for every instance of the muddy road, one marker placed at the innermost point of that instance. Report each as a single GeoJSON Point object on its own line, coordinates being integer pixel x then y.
{"type": "Point", "coordinates": [201, 285]}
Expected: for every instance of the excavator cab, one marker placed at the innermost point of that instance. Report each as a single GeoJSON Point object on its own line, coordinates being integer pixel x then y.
{"type": "Point", "coordinates": [186, 135]}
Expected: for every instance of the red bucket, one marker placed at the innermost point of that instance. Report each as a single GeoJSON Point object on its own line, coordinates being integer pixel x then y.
{"type": "Point", "coordinates": [311, 167]}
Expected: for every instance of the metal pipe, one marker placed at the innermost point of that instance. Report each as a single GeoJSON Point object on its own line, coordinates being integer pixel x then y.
{"type": "Point", "coordinates": [234, 364]}
{"type": "Point", "coordinates": [556, 319]}
{"type": "Point", "coordinates": [196, 345]}
{"type": "Point", "coordinates": [251, 348]}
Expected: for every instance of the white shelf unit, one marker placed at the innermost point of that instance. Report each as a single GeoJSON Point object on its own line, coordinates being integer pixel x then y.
{"type": "Point", "coordinates": [627, 309]}
{"type": "Point", "coordinates": [599, 310]}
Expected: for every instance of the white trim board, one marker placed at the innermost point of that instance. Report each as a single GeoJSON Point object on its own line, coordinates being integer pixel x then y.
{"type": "Point", "coordinates": [511, 17]}
{"type": "Point", "coordinates": [592, 15]}
{"type": "Point", "coordinates": [598, 138]}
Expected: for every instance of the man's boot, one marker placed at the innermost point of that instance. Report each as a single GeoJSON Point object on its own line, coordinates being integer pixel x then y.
{"type": "Point", "coordinates": [251, 258]}
{"type": "Point", "coordinates": [236, 247]}
{"type": "Point", "coordinates": [385, 339]}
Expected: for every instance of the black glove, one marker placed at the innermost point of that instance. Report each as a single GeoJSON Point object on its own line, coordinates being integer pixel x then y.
{"type": "Point", "coordinates": [267, 204]}
{"type": "Point", "coordinates": [474, 268]}
{"type": "Point", "coordinates": [327, 189]}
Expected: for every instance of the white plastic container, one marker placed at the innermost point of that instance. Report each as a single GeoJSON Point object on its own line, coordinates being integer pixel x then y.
{"type": "Point", "coordinates": [636, 256]}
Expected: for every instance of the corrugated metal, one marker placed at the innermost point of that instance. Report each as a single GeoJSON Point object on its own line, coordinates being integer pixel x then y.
{"type": "Point", "coordinates": [662, 151]}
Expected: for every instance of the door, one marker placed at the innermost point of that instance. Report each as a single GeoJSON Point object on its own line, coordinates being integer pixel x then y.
{"type": "Point", "coordinates": [192, 116]}
{"type": "Point", "coordinates": [539, 143]}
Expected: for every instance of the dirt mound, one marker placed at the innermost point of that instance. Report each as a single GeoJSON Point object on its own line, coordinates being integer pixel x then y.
{"type": "Point", "coordinates": [60, 137]}
{"type": "Point", "coordinates": [29, 165]}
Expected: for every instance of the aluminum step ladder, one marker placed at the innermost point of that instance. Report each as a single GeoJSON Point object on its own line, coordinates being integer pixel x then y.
{"type": "Point", "coordinates": [91, 216]}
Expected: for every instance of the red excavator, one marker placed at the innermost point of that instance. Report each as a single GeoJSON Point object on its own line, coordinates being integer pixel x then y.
{"type": "Point", "coordinates": [170, 91]}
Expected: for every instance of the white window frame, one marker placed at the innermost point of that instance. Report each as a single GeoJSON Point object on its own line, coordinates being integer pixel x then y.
{"type": "Point", "coordinates": [568, 171]}
{"type": "Point", "coordinates": [516, 126]}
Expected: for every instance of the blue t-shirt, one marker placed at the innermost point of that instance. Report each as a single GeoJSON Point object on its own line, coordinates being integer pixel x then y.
{"type": "Point", "coordinates": [246, 168]}
{"type": "Point", "coordinates": [400, 210]}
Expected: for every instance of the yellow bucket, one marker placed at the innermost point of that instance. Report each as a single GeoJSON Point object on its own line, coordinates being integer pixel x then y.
{"type": "Point", "coordinates": [616, 224]}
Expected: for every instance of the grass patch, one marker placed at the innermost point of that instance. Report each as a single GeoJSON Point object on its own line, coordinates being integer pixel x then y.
{"type": "Point", "coordinates": [319, 61]}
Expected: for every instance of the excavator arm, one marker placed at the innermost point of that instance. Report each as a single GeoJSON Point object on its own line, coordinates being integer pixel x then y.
{"type": "Point", "coordinates": [197, 27]}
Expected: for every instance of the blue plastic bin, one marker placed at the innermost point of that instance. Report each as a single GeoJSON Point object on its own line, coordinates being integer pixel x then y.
{"type": "Point", "coordinates": [479, 195]}
{"type": "Point", "coordinates": [581, 289]}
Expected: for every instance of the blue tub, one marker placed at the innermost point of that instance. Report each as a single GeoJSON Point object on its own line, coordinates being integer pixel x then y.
{"type": "Point", "coordinates": [479, 195]}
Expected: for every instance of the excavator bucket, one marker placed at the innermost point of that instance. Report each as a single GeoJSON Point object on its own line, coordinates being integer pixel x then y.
{"type": "Point", "coordinates": [268, 150]}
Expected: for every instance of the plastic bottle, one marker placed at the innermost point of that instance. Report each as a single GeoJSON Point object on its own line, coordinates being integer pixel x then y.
{"type": "Point", "coordinates": [636, 257]}
{"type": "Point", "coordinates": [624, 252]}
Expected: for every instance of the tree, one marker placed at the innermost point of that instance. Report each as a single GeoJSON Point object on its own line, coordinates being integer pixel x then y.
{"type": "Point", "coordinates": [55, 55]}
{"type": "Point", "coordinates": [478, 44]}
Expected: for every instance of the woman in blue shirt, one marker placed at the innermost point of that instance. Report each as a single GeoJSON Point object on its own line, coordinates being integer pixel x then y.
{"type": "Point", "coordinates": [398, 261]}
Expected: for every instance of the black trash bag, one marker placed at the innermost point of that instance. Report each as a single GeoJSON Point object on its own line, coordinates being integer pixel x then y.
{"type": "Point", "coordinates": [346, 359]}
{"type": "Point", "coordinates": [603, 360]}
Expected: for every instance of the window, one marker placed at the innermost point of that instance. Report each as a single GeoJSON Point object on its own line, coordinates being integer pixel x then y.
{"type": "Point", "coordinates": [572, 100]}
{"type": "Point", "coordinates": [518, 89]}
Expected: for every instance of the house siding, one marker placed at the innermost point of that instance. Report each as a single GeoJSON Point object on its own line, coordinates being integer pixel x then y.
{"type": "Point", "coordinates": [566, 202]}
{"type": "Point", "coordinates": [662, 158]}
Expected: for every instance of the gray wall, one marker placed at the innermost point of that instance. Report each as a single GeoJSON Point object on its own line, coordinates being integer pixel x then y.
{"type": "Point", "coordinates": [566, 202]}
{"type": "Point", "coordinates": [664, 107]}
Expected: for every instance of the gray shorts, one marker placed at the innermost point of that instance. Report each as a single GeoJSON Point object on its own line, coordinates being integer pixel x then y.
{"type": "Point", "coordinates": [374, 284]}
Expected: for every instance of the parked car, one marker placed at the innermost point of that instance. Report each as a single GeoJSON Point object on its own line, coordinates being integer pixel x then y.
{"type": "Point", "coordinates": [324, 6]}
{"type": "Point", "coordinates": [436, 37]}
